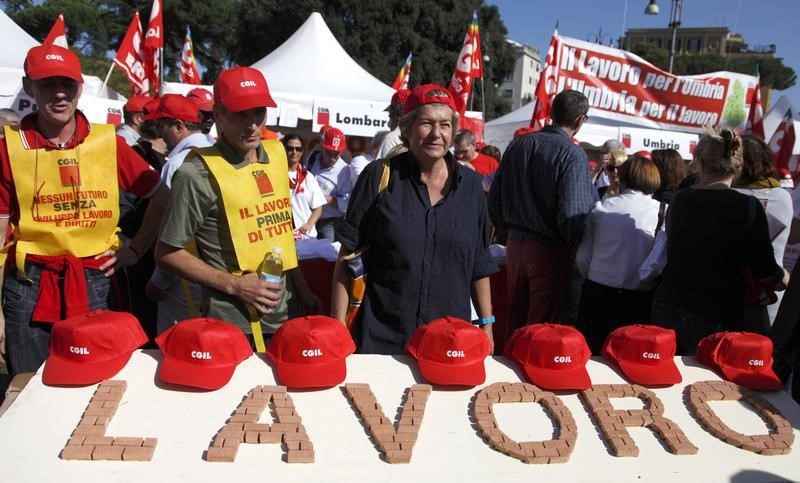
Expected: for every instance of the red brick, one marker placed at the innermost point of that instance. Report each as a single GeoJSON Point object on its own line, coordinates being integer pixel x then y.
{"type": "Point", "coordinates": [108, 453]}
{"type": "Point", "coordinates": [224, 454]}
{"type": "Point", "coordinates": [300, 456]}
{"type": "Point", "coordinates": [128, 441]}
{"type": "Point", "coordinates": [77, 453]}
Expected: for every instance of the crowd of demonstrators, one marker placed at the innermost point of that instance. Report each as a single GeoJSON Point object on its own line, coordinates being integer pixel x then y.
{"type": "Point", "coordinates": [427, 233]}
{"type": "Point", "coordinates": [717, 238]}
{"type": "Point", "coordinates": [335, 180]}
{"type": "Point", "coordinates": [541, 195]}
{"type": "Point", "coordinates": [60, 262]}
{"type": "Point", "coordinates": [306, 195]}
{"type": "Point", "coordinates": [618, 237]}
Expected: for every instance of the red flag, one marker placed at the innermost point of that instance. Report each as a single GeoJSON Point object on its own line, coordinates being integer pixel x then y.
{"type": "Point", "coordinates": [153, 44]}
{"type": "Point", "coordinates": [58, 33]}
{"type": "Point", "coordinates": [468, 66]}
{"type": "Point", "coordinates": [782, 143]}
{"type": "Point", "coordinates": [401, 81]}
{"type": "Point", "coordinates": [546, 88]}
{"type": "Point", "coordinates": [755, 118]}
{"type": "Point", "coordinates": [189, 73]}
{"type": "Point", "coordinates": [130, 58]}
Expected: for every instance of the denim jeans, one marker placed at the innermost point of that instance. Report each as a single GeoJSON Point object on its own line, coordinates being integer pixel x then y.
{"type": "Point", "coordinates": [689, 327]}
{"type": "Point", "coordinates": [27, 341]}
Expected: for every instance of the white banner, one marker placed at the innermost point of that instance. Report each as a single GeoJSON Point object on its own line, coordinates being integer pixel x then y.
{"type": "Point", "coordinates": [354, 119]}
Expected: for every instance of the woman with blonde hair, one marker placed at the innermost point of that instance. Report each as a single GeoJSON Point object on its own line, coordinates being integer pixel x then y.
{"type": "Point", "coordinates": [714, 234]}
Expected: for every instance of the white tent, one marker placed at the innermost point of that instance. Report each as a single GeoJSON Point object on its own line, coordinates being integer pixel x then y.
{"type": "Point", "coordinates": [16, 43]}
{"type": "Point", "coordinates": [312, 77]}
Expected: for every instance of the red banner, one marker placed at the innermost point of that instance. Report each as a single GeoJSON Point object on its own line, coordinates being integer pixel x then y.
{"type": "Point", "coordinates": [153, 44]}
{"type": "Point", "coordinates": [189, 73]}
{"type": "Point", "coordinates": [130, 58]}
{"type": "Point", "coordinates": [622, 86]}
{"type": "Point", "coordinates": [58, 33]}
{"type": "Point", "coordinates": [468, 66]}
{"type": "Point", "coordinates": [782, 143]}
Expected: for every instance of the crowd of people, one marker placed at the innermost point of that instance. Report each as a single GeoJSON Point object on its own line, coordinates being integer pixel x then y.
{"type": "Point", "coordinates": [165, 221]}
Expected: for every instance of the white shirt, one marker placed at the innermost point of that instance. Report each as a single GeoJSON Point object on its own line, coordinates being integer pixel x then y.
{"type": "Point", "coordinates": [337, 182]}
{"type": "Point", "coordinates": [305, 198]}
{"type": "Point", "coordinates": [777, 203]}
{"type": "Point", "coordinates": [178, 154]}
{"type": "Point", "coordinates": [391, 140]}
{"type": "Point", "coordinates": [618, 237]}
{"type": "Point", "coordinates": [128, 133]}
{"type": "Point", "coordinates": [358, 164]}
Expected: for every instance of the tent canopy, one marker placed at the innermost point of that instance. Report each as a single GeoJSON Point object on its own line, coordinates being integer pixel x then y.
{"type": "Point", "coordinates": [312, 67]}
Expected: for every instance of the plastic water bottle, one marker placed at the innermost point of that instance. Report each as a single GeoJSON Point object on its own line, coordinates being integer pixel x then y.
{"type": "Point", "coordinates": [271, 268]}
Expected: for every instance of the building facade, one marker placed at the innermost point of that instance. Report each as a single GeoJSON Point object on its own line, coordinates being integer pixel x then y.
{"type": "Point", "coordinates": [519, 86]}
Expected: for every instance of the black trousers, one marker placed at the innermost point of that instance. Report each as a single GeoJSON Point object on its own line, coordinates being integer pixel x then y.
{"type": "Point", "coordinates": [603, 309]}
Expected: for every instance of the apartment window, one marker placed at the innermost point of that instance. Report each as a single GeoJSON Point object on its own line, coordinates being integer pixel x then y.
{"type": "Point", "coordinates": [507, 93]}
{"type": "Point", "coordinates": [655, 41]}
{"type": "Point", "coordinates": [693, 44]}
{"type": "Point", "coordinates": [509, 76]}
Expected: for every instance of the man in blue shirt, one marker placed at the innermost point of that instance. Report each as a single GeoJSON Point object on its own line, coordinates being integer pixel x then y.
{"type": "Point", "coordinates": [541, 195]}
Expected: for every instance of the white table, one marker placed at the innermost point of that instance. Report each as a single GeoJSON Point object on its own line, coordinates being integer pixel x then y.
{"type": "Point", "coordinates": [37, 426]}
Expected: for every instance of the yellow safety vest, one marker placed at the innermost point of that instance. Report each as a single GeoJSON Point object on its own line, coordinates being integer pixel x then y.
{"type": "Point", "coordinates": [256, 203]}
{"type": "Point", "coordinates": [68, 198]}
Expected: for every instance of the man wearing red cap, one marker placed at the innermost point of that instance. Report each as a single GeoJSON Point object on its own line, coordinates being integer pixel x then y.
{"type": "Point", "coordinates": [232, 199]}
{"type": "Point", "coordinates": [335, 179]}
{"type": "Point", "coordinates": [132, 118]}
{"type": "Point", "coordinates": [59, 191]}
{"type": "Point", "coordinates": [204, 101]}
{"type": "Point", "coordinates": [395, 109]}
{"type": "Point", "coordinates": [179, 124]}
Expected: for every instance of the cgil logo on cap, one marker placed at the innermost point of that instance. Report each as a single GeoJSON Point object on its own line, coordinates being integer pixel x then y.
{"type": "Point", "coordinates": [54, 57]}
{"type": "Point", "coordinates": [755, 362]}
{"type": "Point", "coordinates": [562, 359]}
{"type": "Point", "coordinates": [652, 355]}
{"type": "Point", "coordinates": [79, 350]}
{"type": "Point", "coordinates": [311, 353]}
{"type": "Point", "coordinates": [248, 83]}
{"type": "Point", "coordinates": [201, 355]}
{"type": "Point", "coordinates": [455, 354]}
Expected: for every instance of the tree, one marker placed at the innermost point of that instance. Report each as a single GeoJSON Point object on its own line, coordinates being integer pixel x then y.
{"type": "Point", "coordinates": [774, 74]}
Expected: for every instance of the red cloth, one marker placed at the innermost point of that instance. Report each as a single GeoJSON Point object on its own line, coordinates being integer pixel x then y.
{"type": "Point", "coordinates": [485, 164]}
{"type": "Point", "coordinates": [52, 304]}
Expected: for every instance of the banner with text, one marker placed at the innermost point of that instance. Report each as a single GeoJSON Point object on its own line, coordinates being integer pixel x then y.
{"type": "Point", "coordinates": [624, 87]}
{"type": "Point", "coordinates": [353, 118]}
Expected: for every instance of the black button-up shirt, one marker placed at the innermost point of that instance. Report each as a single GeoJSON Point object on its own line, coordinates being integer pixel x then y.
{"type": "Point", "coordinates": [422, 259]}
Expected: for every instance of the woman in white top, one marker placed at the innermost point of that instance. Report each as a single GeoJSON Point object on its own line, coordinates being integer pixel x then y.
{"type": "Point", "coordinates": [619, 235]}
{"type": "Point", "coordinates": [760, 180]}
{"type": "Point", "coordinates": [307, 197]}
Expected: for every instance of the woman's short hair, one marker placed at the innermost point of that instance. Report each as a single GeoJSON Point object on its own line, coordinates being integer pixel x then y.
{"type": "Point", "coordinates": [756, 162]}
{"type": "Point", "coordinates": [408, 118]}
{"type": "Point", "coordinates": [619, 157]}
{"type": "Point", "coordinates": [719, 151]}
{"type": "Point", "coordinates": [671, 168]}
{"type": "Point", "coordinates": [285, 139]}
{"type": "Point", "coordinates": [640, 174]}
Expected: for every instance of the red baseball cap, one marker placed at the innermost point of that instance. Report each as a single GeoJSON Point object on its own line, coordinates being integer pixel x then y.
{"type": "Point", "coordinates": [203, 99]}
{"type": "Point", "coordinates": [333, 139]}
{"type": "Point", "coordinates": [553, 356]}
{"type": "Point", "coordinates": [45, 61]}
{"type": "Point", "coordinates": [136, 103]}
{"type": "Point", "coordinates": [398, 100]}
{"type": "Point", "coordinates": [450, 352]}
{"type": "Point", "coordinates": [742, 357]}
{"type": "Point", "coordinates": [151, 106]}
{"type": "Point", "coordinates": [242, 88]}
{"type": "Point", "coordinates": [644, 353]}
{"type": "Point", "coordinates": [201, 352]}
{"type": "Point", "coordinates": [90, 348]}
{"type": "Point", "coordinates": [175, 106]}
{"type": "Point", "coordinates": [643, 154]}
{"type": "Point", "coordinates": [421, 95]}
{"type": "Point", "coordinates": [310, 352]}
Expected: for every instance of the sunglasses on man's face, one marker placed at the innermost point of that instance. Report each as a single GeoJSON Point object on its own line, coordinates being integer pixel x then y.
{"type": "Point", "coordinates": [295, 149]}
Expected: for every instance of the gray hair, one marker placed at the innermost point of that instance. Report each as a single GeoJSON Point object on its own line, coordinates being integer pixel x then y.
{"type": "Point", "coordinates": [612, 145]}
{"type": "Point", "coordinates": [408, 119]}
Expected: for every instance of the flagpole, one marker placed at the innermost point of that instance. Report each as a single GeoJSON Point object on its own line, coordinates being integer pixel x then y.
{"type": "Point", "coordinates": [160, 71]}
{"type": "Point", "coordinates": [105, 82]}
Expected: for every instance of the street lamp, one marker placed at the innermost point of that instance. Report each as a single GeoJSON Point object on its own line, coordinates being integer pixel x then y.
{"type": "Point", "coordinates": [674, 23]}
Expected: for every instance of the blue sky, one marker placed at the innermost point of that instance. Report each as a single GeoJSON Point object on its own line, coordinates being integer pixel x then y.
{"type": "Point", "coordinates": [761, 22]}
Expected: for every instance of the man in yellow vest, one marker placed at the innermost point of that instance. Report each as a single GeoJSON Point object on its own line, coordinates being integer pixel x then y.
{"type": "Point", "coordinates": [59, 191]}
{"type": "Point", "coordinates": [233, 200]}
